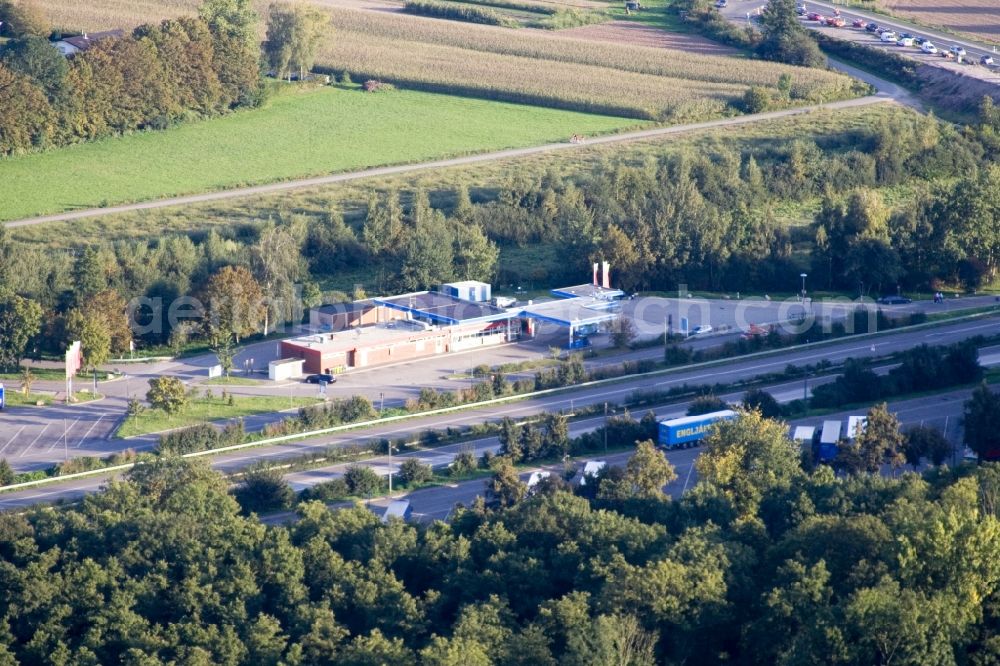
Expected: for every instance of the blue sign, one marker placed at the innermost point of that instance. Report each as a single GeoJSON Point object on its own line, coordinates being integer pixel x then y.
{"type": "Point", "coordinates": [3, 398]}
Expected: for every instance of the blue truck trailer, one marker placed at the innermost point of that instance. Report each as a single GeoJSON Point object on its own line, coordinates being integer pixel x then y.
{"type": "Point", "coordinates": [689, 430]}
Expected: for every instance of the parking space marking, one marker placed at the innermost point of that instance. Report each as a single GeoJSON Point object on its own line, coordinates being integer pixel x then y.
{"type": "Point", "coordinates": [57, 440]}
{"type": "Point", "coordinates": [94, 425]}
{"type": "Point", "coordinates": [16, 435]}
{"type": "Point", "coordinates": [30, 446]}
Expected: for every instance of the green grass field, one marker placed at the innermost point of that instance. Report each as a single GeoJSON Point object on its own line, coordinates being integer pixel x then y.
{"type": "Point", "coordinates": [298, 134]}
{"type": "Point", "coordinates": [204, 410]}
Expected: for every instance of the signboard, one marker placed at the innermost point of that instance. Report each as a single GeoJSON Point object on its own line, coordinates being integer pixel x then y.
{"type": "Point", "coordinates": [214, 371]}
{"type": "Point", "coordinates": [684, 326]}
{"type": "Point", "coordinates": [74, 359]}
{"type": "Point", "coordinates": [3, 397]}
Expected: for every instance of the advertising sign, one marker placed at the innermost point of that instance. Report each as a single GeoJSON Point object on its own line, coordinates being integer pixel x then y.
{"type": "Point", "coordinates": [3, 397]}
{"type": "Point", "coordinates": [74, 359]}
{"type": "Point", "coordinates": [214, 371]}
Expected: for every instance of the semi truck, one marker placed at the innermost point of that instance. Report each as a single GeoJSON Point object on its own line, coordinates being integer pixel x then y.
{"type": "Point", "coordinates": [689, 430]}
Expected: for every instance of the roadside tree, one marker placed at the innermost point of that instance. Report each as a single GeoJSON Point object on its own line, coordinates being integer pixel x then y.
{"type": "Point", "coordinates": [362, 481]}
{"type": "Point", "coordinates": [6, 473]}
{"type": "Point", "coordinates": [168, 394]}
{"type": "Point", "coordinates": [622, 332]}
{"type": "Point", "coordinates": [94, 337]}
{"type": "Point", "coordinates": [234, 301]}
{"type": "Point", "coordinates": [982, 422]}
{"type": "Point", "coordinates": [648, 470]}
{"type": "Point", "coordinates": [763, 402]}
{"type": "Point", "coordinates": [505, 488]}
{"type": "Point", "coordinates": [20, 321]}
{"type": "Point", "coordinates": [293, 35]}
{"type": "Point", "coordinates": [881, 441]}
{"type": "Point", "coordinates": [413, 471]}
{"type": "Point", "coordinates": [263, 489]}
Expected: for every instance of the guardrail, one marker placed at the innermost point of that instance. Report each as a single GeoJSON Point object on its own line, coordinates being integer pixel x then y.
{"type": "Point", "coordinates": [496, 401]}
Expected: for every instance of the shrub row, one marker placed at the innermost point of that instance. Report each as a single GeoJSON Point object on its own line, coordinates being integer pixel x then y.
{"type": "Point", "coordinates": [459, 13]}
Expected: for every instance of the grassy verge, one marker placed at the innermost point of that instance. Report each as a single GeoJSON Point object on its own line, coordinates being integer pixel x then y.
{"type": "Point", "coordinates": [297, 134]}
{"type": "Point", "coordinates": [205, 410]}
{"type": "Point", "coordinates": [16, 398]}
{"type": "Point", "coordinates": [38, 373]}
{"type": "Point", "coordinates": [233, 381]}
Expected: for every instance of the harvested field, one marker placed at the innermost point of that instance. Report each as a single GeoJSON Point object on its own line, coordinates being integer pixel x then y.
{"type": "Point", "coordinates": [978, 18]}
{"type": "Point", "coordinates": [637, 34]}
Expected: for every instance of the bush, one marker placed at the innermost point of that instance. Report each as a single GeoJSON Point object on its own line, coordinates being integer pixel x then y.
{"type": "Point", "coordinates": [262, 490]}
{"type": "Point", "coordinates": [458, 13]}
{"type": "Point", "coordinates": [328, 491]}
{"type": "Point", "coordinates": [413, 471]}
{"type": "Point", "coordinates": [704, 404]}
{"type": "Point", "coordinates": [362, 480]}
{"type": "Point", "coordinates": [463, 464]}
{"type": "Point", "coordinates": [757, 99]}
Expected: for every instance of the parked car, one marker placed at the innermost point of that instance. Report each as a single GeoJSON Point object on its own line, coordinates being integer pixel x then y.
{"type": "Point", "coordinates": [986, 60]}
{"type": "Point", "coordinates": [957, 50]}
{"type": "Point", "coordinates": [894, 300]}
{"type": "Point", "coordinates": [321, 378]}
{"type": "Point", "coordinates": [721, 3]}
{"type": "Point", "coordinates": [801, 10]}
{"type": "Point", "coordinates": [905, 35]}
{"type": "Point", "coordinates": [888, 36]}
{"type": "Point", "coordinates": [836, 22]}
{"type": "Point", "coordinates": [904, 41]}
{"type": "Point", "coordinates": [928, 47]}
{"type": "Point", "coordinates": [858, 23]}
{"type": "Point", "coordinates": [872, 27]}
{"type": "Point", "coordinates": [920, 41]}
{"type": "Point", "coordinates": [700, 330]}
{"type": "Point", "coordinates": [814, 16]}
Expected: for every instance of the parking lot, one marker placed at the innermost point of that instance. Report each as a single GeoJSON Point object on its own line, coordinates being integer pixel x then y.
{"type": "Point", "coordinates": [34, 438]}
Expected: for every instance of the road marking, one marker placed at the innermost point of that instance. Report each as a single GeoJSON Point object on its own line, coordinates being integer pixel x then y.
{"type": "Point", "coordinates": [13, 438]}
{"type": "Point", "coordinates": [40, 433]}
{"type": "Point", "coordinates": [688, 479]}
{"type": "Point", "coordinates": [82, 439]}
{"type": "Point", "coordinates": [55, 442]}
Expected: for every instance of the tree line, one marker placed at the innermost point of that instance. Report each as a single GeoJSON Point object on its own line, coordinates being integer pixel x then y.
{"type": "Point", "coordinates": [761, 562]}
{"type": "Point", "coordinates": [152, 78]}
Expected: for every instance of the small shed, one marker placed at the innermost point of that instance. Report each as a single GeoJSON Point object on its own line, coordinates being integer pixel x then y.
{"type": "Point", "coordinates": [803, 433]}
{"type": "Point", "coordinates": [468, 290]}
{"type": "Point", "coordinates": [591, 468]}
{"type": "Point", "coordinates": [536, 478]}
{"type": "Point", "coordinates": [400, 509]}
{"type": "Point", "coordinates": [285, 368]}
{"type": "Point", "coordinates": [856, 425]}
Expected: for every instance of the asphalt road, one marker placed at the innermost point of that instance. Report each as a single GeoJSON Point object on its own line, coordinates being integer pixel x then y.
{"type": "Point", "coordinates": [943, 411]}
{"type": "Point", "coordinates": [567, 401]}
{"type": "Point", "coordinates": [738, 9]}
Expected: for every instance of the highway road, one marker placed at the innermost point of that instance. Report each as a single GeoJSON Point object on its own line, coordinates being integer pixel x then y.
{"type": "Point", "coordinates": [566, 401]}
{"type": "Point", "coordinates": [737, 11]}
{"type": "Point", "coordinates": [943, 411]}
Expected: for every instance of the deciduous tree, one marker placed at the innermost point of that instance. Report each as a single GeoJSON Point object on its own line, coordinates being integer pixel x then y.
{"type": "Point", "coordinates": [20, 321]}
{"type": "Point", "coordinates": [234, 301]}
{"type": "Point", "coordinates": [168, 394]}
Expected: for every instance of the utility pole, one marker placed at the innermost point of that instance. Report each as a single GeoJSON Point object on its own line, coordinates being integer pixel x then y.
{"type": "Point", "coordinates": [381, 403]}
{"type": "Point", "coordinates": [65, 441]}
{"type": "Point", "coordinates": [605, 428]}
{"type": "Point", "coordinates": [389, 446]}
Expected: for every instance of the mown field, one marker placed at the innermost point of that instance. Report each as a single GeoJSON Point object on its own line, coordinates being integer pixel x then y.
{"type": "Point", "coordinates": [482, 181]}
{"type": "Point", "coordinates": [297, 134]}
{"type": "Point", "coordinates": [538, 68]}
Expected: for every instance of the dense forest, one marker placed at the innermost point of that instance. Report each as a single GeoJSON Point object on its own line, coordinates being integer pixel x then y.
{"type": "Point", "coordinates": [158, 75]}
{"type": "Point", "coordinates": [762, 562]}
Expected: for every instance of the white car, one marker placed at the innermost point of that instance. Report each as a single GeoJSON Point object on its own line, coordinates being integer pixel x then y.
{"type": "Point", "coordinates": [888, 36]}
{"type": "Point", "coordinates": [701, 330]}
{"type": "Point", "coordinates": [958, 50]}
{"type": "Point", "coordinates": [905, 41]}
{"type": "Point", "coordinates": [928, 48]}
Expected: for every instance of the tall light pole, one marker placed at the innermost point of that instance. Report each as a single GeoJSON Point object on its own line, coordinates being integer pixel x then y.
{"type": "Point", "coordinates": [381, 403]}
{"type": "Point", "coordinates": [803, 276]}
{"type": "Point", "coordinates": [605, 428]}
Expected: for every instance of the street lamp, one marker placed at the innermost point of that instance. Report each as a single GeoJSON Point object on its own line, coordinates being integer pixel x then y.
{"type": "Point", "coordinates": [803, 276]}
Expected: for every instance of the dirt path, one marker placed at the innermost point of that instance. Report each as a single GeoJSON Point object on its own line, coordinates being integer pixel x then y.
{"type": "Point", "coordinates": [440, 164]}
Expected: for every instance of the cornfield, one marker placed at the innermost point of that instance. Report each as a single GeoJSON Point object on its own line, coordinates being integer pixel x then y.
{"type": "Point", "coordinates": [546, 46]}
{"type": "Point", "coordinates": [537, 68]}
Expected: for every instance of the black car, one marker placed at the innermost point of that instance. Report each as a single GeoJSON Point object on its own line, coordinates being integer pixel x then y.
{"type": "Point", "coordinates": [894, 300]}
{"type": "Point", "coordinates": [920, 41]}
{"type": "Point", "coordinates": [321, 378]}
{"type": "Point", "coordinates": [872, 27]}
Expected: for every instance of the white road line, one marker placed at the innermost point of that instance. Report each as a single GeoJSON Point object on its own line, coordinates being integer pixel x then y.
{"type": "Point", "coordinates": [12, 438]}
{"type": "Point", "coordinates": [687, 480]}
{"type": "Point", "coordinates": [82, 439]}
{"type": "Point", "coordinates": [29, 446]}
{"type": "Point", "coordinates": [56, 441]}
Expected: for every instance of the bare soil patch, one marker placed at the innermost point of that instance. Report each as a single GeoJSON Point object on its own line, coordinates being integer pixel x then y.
{"type": "Point", "coordinates": [635, 34]}
{"type": "Point", "coordinates": [978, 18]}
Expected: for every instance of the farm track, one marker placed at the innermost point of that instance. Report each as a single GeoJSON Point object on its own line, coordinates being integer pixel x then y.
{"type": "Point", "coordinates": [442, 164]}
